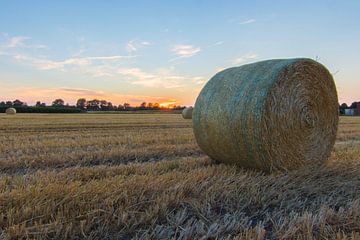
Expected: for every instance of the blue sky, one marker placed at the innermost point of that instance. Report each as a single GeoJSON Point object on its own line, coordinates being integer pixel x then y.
{"type": "Point", "coordinates": [165, 51]}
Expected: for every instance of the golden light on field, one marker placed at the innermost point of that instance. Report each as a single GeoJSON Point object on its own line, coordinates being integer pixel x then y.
{"type": "Point", "coordinates": [73, 192]}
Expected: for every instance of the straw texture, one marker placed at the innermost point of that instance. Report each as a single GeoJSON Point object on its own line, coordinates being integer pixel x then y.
{"type": "Point", "coordinates": [271, 115]}
{"type": "Point", "coordinates": [10, 111]}
{"type": "Point", "coordinates": [187, 113]}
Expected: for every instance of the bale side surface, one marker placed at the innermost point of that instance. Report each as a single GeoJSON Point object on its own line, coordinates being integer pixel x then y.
{"type": "Point", "coordinates": [10, 111]}
{"type": "Point", "coordinates": [187, 113]}
{"type": "Point", "coordinates": [276, 114]}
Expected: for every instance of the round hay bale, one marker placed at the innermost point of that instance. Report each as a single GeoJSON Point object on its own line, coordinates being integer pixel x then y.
{"type": "Point", "coordinates": [10, 111]}
{"type": "Point", "coordinates": [187, 113]}
{"type": "Point", "coordinates": [270, 115]}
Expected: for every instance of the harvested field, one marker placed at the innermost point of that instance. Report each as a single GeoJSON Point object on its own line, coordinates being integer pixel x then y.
{"type": "Point", "coordinates": [125, 176]}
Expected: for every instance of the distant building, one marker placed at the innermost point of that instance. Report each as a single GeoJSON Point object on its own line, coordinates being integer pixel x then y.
{"type": "Point", "coordinates": [349, 112]}
{"type": "Point", "coordinates": [353, 110]}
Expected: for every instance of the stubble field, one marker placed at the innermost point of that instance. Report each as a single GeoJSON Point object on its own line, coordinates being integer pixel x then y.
{"type": "Point", "coordinates": [142, 176]}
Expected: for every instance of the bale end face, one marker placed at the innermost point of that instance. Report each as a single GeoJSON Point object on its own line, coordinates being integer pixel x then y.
{"type": "Point", "coordinates": [10, 111]}
{"type": "Point", "coordinates": [187, 113]}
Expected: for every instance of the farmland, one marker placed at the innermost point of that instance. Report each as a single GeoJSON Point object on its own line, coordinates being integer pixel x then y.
{"type": "Point", "coordinates": [142, 176]}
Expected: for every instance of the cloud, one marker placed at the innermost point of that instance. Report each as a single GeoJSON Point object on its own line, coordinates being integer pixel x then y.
{"type": "Point", "coordinates": [241, 20]}
{"type": "Point", "coordinates": [244, 59]}
{"type": "Point", "coordinates": [16, 41]}
{"type": "Point", "coordinates": [198, 80]}
{"type": "Point", "coordinates": [130, 47]}
{"type": "Point", "coordinates": [184, 51]}
{"type": "Point", "coordinates": [252, 20]}
{"type": "Point", "coordinates": [218, 43]}
{"type": "Point", "coordinates": [161, 78]}
{"type": "Point", "coordinates": [134, 45]}
{"type": "Point", "coordinates": [115, 57]}
{"type": "Point", "coordinates": [46, 64]}
{"type": "Point", "coordinates": [70, 95]}
{"type": "Point", "coordinates": [81, 91]}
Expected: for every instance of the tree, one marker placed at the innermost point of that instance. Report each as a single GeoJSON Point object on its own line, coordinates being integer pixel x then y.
{"type": "Point", "coordinates": [343, 106]}
{"type": "Point", "coordinates": [103, 104]}
{"type": "Point", "coordinates": [58, 102]}
{"type": "Point", "coordinates": [93, 105]}
{"type": "Point", "coordinates": [81, 103]}
{"type": "Point", "coordinates": [143, 105]}
{"type": "Point", "coordinates": [40, 104]}
{"type": "Point", "coordinates": [353, 105]}
{"type": "Point", "coordinates": [150, 105]}
{"type": "Point", "coordinates": [18, 103]}
{"type": "Point", "coordinates": [9, 103]}
{"type": "Point", "coordinates": [156, 105]}
{"type": "Point", "coordinates": [126, 106]}
{"type": "Point", "coordinates": [110, 106]}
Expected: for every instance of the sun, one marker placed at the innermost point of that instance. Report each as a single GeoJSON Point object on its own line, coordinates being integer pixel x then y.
{"type": "Point", "coordinates": [170, 104]}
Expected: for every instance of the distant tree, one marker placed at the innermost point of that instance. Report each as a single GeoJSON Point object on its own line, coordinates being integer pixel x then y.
{"type": "Point", "coordinates": [353, 105]}
{"type": "Point", "coordinates": [58, 102]}
{"type": "Point", "coordinates": [2, 104]}
{"type": "Point", "coordinates": [126, 106]}
{"type": "Point", "coordinates": [18, 103]}
{"type": "Point", "coordinates": [40, 104]}
{"type": "Point", "coordinates": [143, 105]}
{"type": "Point", "coordinates": [150, 105]}
{"type": "Point", "coordinates": [103, 104]}
{"type": "Point", "coordinates": [156, 106]}
{"type": "Point", "coordinates": [110, 106]}
{"type": "Point", "coordinates": [9, 103]}
{"type": "Point", "coordinates": [93, 105]}
{"type": "Point", "coordinates": [120, 107]}
{"type": "Point", "coordinates": [81, 103]}
{"type": "Point", "coordinates": [106, 106]}
{"type": "Point", "coordinates": [344, 106]}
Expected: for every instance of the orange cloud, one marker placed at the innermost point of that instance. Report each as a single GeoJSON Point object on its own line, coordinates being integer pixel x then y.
{"type": "Point", "coordinates": [70, 95]}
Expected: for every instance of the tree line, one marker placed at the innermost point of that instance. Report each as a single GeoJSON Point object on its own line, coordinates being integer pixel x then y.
{"type": "Point", "coordinates": [82, 105]}
{"type": "Point", "coordinates": [344, 106]}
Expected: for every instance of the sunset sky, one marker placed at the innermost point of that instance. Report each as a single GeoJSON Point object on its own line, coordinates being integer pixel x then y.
{"type": "Point", "coordinates": [165, 51]}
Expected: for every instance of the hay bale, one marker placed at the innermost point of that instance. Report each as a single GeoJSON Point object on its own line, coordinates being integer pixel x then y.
{"type": "Point", "coordinates": [269, 115]}
{"type": "Point", "coordinates": [10, 111]}
{"type": "Point", "coordinates": [187, 113]}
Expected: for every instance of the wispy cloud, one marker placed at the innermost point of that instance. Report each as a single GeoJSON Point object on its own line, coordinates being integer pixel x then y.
{"type": "Point", "coordinates": [46, 64]}
{"type": "Point", "coordinates": [82, 91]}
{"type": "Point", "coordinates": [241, 20]}
{"type": "Point", "coordinates": [12, 43]}
{"type": "Point", "coordinates": [16, 41]}
{"type": "Point", "coordinates": [161, 78]}
{"type": "Point", "coordinates": [70, 95]}
{"type": "Point", "coordinates": [198, 80]}
{"type": "Point", "coordinates": [134, 45]}
{"type": "Point", "coordinates": [218, 43]}
{"type": "Point", "coordinates": [184, 51]}
{"type": "Point", "coordinates": [130, 47]}
{"type": "Point", "coordinates": [244, 59]}
{"type": "Point", "coordinates": [248, 21]}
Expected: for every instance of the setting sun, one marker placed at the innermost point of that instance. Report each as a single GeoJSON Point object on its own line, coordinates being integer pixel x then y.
{"type": "Point", "coordinates": [167, 104]}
